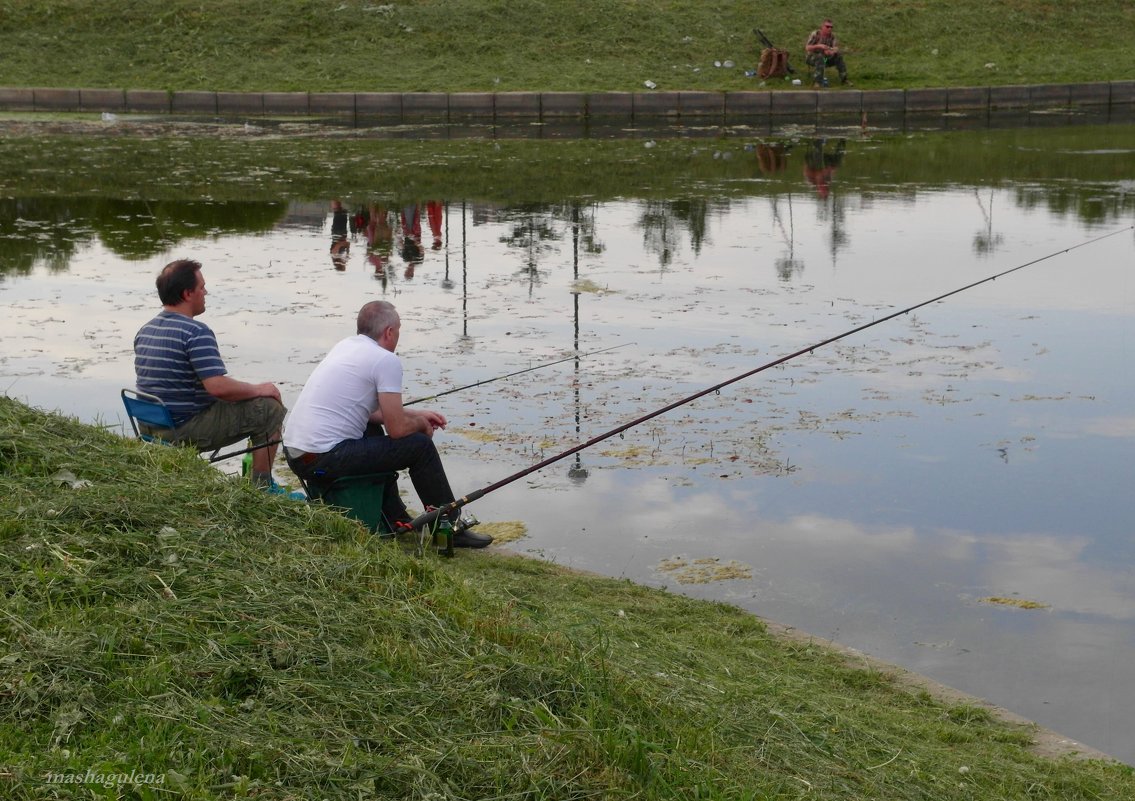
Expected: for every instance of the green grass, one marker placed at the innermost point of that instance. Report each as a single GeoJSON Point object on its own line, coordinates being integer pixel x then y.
{"type": "Point", "coordinates": [168, 620]}
{"type": "Point", "coordinates": [543, 45]}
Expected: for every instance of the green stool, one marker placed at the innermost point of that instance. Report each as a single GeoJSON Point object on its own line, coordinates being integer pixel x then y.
{"type": "Point", "coordinates": [360, 498]}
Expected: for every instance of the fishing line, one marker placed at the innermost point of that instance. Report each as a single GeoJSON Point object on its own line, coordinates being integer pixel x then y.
{"type": "Point", "coordinates": [432, 515]}
{"type": "Point", "coordinates": [510, 375]}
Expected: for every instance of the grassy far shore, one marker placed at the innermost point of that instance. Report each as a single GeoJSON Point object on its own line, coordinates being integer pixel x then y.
{"type": "Point", "coordinates": [162, 620]}
{"type": "Point", "coordinates": [545, 45]}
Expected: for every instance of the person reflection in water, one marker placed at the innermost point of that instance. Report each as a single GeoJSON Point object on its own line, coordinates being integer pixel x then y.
{"type": "Point", "coordinates": [772, 158]}
{"type": "Point", "coordinates": [380, 240]}
{"type": "Point", "coordinates": [434, 215]}
{"type": "Point", "coordinates": [411, 232]}
{"type": "Point", "coordinates": [340, 245]}
{"type": "Point", "coordinates": [820, 165]}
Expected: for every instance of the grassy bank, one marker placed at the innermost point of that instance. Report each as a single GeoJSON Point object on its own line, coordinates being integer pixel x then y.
{"type": "Point", "coordinates": [544, 45]}
{"type": "Point", "coordinates": [160, 619]}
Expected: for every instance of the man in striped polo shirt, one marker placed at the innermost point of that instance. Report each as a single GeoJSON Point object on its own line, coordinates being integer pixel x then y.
{"type": "Point", "coordinates": [176, 358]}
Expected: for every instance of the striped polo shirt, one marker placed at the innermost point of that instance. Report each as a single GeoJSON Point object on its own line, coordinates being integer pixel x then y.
{"type": "Point", "coordinates": [173, 354]}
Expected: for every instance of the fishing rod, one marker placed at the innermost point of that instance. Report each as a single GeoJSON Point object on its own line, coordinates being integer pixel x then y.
{"type": "Point", "coordinates": [432, 515]}
{"type": "Point", "coordinates": [510, 375]}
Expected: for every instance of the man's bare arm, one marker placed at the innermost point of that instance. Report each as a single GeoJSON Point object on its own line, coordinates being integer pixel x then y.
{"type": "Point", "coordinates": [225, 388]}
{"type": "Point", "coordinates": [401, 422]}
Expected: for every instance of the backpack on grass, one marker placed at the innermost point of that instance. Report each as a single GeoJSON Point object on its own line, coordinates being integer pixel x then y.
{"type": "Point", "coordinates": [773, 63]}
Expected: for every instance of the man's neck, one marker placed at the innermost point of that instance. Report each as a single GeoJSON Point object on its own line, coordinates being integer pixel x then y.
{"type": "Point", "coordinates": [377, 341]}
{"type": "Point", "coordinates": [184, 309]}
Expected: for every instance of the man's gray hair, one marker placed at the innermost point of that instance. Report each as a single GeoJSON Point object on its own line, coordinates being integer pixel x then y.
{"type": "Point", "coordinates": [375, 317]}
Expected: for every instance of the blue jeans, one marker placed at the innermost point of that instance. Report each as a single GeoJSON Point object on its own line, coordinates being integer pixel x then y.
{"type": "Point", "coordinates": [376, 452]}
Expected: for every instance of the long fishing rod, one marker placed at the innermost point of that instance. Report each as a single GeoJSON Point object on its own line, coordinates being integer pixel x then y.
{"type": "Point", "coordinates": [432, 515]}
{"type": "Point", "coordinates": [510, 375]}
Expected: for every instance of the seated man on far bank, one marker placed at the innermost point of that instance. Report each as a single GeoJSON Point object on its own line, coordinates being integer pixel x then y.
{"type": "Point", "coordinates": [821, 51]}
{"type": "Point", "coordinates": [349, 420]}
{"type": "Point", "coordinates": [176, 359]}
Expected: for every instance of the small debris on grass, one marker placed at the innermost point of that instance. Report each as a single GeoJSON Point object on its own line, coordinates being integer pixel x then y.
{"type": "Point", "coordinates": [68, 478]}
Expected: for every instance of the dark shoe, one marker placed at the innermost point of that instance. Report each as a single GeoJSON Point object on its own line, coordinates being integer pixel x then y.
{"type": "Point", "coordinates": [470, 539]}
{"type": "Point", "coordinates": [846, 81]}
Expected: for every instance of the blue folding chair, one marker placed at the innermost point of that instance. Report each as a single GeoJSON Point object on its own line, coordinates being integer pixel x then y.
{"type": "Point", "coordinates": [142, 407]}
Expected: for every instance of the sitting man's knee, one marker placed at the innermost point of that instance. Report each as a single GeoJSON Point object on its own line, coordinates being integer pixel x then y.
{"type": "Point", "coordinates": [269, 412]}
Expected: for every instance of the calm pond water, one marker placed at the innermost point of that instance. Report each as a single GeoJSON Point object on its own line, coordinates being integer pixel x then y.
{"type": "Point", "coordinates": [882, 491]}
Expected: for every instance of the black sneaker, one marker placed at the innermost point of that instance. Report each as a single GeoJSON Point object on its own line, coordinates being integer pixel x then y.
{"type": "Point", "coordinates": [467, 538]}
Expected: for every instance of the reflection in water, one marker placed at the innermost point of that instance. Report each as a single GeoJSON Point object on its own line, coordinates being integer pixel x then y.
{"type": "Point", "coordinates": [379, 234]}
{"type": "Point", "coordinates": [577, 472]}
{"type": "Point", "coordinates": [772, 157]}
{"type": "Point", "coordinates": [386, 231]}
{"type": "Point", "coordinates": [986, 241]}
{"type": "Point", "coordinates": [821, 163]}
{"type": "Point", "coordinates": [787, 266]}
{"type": "Point", "coordinates": [409, 237]}
{"type": "Point", "coordinates": [51, 231]}
{"type": "Point", "coordinates": [666, 223]}
{"type": "Point", "coordinates": [446, 281]}
{"type": "Point", "coordinates": [340, 245]}
{"type": "Point", "coordinates": [879, 489]}
{"type": "Point", "coordinates": [533, 230]}
{"type": "Point", "coordinates": [434, 213]}
{"type": "Point", "coordinates": [1087, 178]}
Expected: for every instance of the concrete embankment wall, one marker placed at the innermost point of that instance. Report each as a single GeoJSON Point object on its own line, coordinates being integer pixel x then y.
{"type": "Point", "coordinates": [397, 107]}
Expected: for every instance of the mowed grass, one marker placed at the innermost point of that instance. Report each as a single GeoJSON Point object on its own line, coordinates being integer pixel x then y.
{"type": "Point", "coordinates": [545, 45]}
{"type": "Point", "coordinates": [162, 619]}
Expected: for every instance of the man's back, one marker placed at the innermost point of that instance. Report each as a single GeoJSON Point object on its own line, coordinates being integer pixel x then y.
{"type": "Point", "coordinates": [172, 353]}
{"type": "Point", "coordinates": [341, 393]}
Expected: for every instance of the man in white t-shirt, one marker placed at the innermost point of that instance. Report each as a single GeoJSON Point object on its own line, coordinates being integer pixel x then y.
{"type": "Point", "coordinates": [349, 420]}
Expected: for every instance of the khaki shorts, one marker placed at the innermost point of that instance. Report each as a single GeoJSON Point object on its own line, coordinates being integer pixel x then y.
{"type": "Point", "coordinates": [225, 422]}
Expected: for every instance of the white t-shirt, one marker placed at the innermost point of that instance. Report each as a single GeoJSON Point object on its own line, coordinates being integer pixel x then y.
{"type": "Point", "coordinates": [340, 395]}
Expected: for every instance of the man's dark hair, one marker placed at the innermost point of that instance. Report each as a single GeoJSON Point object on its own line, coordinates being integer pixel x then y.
{"type": "Point", "coordinates": [177, 278]}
